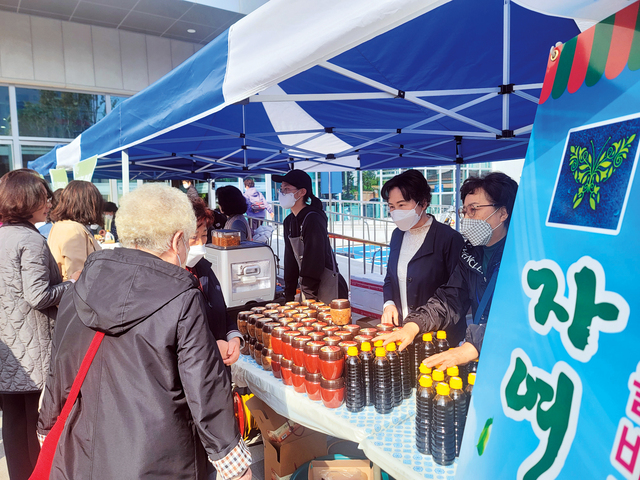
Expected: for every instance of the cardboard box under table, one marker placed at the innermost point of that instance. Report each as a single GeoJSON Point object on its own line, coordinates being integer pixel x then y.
{"type": "Point", "coordinates": [298, 448]}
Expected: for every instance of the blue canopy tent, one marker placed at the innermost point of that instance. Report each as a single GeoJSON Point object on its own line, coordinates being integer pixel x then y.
{"type": "Point", "coordinates": [337, 85]}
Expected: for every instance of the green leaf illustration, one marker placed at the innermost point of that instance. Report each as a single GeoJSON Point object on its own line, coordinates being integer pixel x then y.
{"type": "Point", "coordinates": [590, 168]}
{"type": "Point", "coordinates": [484, 436]}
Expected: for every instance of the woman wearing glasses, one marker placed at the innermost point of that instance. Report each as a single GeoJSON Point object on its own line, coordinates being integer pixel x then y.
{"type": "Point", "coordinates": [309, 262]}
{"type": "Point", "coordinates": [488, 204]}
{"type": "Point", "coordinates": [423, 252]}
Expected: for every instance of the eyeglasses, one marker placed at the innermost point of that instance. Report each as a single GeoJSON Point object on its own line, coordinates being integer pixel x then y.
{"type": "Point", "coordinates": [288, 190]}
{"type": "Point", "coordinates": [470, 210]}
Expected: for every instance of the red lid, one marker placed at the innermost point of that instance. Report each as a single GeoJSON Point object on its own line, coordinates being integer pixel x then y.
{"type": "Point", "coordinates": [313, 347]}
{"type": "Point", "coordinates": [331, 352]}
{"type": "Point", "coordinates": [336, 384]}
{"type": "Point", "coordinates": [298, 370]}
{"type": "Point", "coordinates": [300, 341]}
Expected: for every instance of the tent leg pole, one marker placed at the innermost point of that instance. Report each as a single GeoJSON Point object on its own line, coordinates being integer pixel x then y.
{"type": "Point", "coordinates": [506, 60]}
{"type": "Point", "coordinates": [458, 175]}
{"type": "Point", "coordinates": [125, 172]}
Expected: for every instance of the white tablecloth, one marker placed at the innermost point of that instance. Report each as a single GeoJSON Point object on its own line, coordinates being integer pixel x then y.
{"type": "Point", "coordinates": [387, 440]}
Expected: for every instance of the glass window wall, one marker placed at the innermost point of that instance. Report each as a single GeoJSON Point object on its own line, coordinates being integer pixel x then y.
{"type": "Point", "coordinates": [5, 159]}
{"type": "Point", "coordinates": [5, 113]}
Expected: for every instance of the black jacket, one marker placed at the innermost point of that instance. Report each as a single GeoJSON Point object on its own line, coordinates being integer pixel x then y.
{"type": "Point", "coordinates": [316, 241]}
{"type": "Point", "coordinates": [156, 392]}
{"type": "Point", "coordinates": [220, 323]}
{"type": "Point", "coordinates": [465, 289]}
{"type": "Point", "coordinates": [430, 267]}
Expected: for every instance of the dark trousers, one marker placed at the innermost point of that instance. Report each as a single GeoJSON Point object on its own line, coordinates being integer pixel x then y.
{"type": "Point", "coordinates": [19, 419]}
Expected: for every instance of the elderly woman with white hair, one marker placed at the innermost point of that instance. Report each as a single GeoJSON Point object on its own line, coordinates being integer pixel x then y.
{"type": "Point", "coordinates": [156, 401]}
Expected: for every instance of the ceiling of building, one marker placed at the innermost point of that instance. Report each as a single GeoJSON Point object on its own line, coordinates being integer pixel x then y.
{"type": "Point", "coordinates": [164, 18]}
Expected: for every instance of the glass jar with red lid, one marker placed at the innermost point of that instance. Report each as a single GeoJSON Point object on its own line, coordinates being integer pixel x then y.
{"type": "Point", "coordinates": [331, 361]}
{"type": "Point", "coordinates": [290, 312]}
{"type": "Point", "coordinates": [287, 350]}
{"type": "Point", "coordinates": [341, 311]}
{"type": "Point", "coordinates": [316, 306]}
{"type": "Point", "coordinates": [276, 358]}
{"type": "Point", "coordinates": [299, 316]}
{"type": "Point", "coordinates": [276, 338]}
{"type": "Point", "coordinates": [343, 334]}
{"type": "Point", "coordinates": [346, 344]}
{"type": "Point", "coordinates": [297, 378]}
{"type": "Point", "coordinates": [362, 338]}
{"type": "Point", "coordinates": [259, 324]}
{"type": "Point", "coordinates": [369, 331]}
{"type": "Point", "coordinates": [312, 355]}
{"type": "Point", "coordinates": [267, 328]}
{"type": "Point", "coordinates": [324, 316]}
{"type": "Point", "coordinates": [285, 368]}
{"type": "Point", "coordinates": [305, 330]}
{"type": "Point", "coordinates": [266, 358]}
{"type": "Point", "coordinates": [384, 327]}
{"type": "Point", "coordinates": [312, 313]}
{"type": "Point", "coordinates": [318, 326]}
{"type": "Point", "coordinates": [308, 302]}
{"type": "Point", "coordinates": [251, 324]}
{"type": "Point", "coordinates": [331, 340]}
{"type": "Point", "coordinates": [282, 308]}
{"type": "Point", "coordinates": [297, 349]}
{"type": "Point", "coordinates": [312, 385]}
{"type": "Point", "coordinates": [285, 321]}
{"type": "Point", "coordinates": [242, 321]}
{"type": "Point", "coordinates": [315, 335]}
{"type": "Point", "coordinates": [352, 328]}
{"type": "Point", "coordinates": [323, 308]}
{"type": "Point", "coordinates": [332, 392]}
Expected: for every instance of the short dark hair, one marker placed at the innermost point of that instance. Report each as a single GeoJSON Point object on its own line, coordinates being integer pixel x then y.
{"type": "Point", "coordinates": [81, 202]}
{"type": "Point", "coordinates": [500, 188]}
{"type": "Point", "coordinates": [248, 182]}
{"type": "Point", "coordinates": [231, 200]}
{"type": "Point", "coordinates": [412, 185]}
{"type": "Point", "coordinates": [110, 207]}
{"type": "Point", "coordinates": [22, 192]}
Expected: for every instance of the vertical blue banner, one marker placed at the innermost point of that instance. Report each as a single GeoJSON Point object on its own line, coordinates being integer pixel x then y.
{"type": "Point", "coordinates": [558, 387]}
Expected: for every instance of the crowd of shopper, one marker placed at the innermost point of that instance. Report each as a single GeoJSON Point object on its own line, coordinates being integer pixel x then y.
{"type": "Point", "coordinates": [156, 401]}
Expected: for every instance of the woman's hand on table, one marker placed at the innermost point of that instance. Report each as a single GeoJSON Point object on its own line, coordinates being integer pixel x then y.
{"type": "Point", "coordinates": [405, 335]}
{"type": "Point", "coordinates": [230, 351]}
{"type": "Point", "coordinates": [465, 353]}
{"type": "Point", "coordinates": [390, 315]}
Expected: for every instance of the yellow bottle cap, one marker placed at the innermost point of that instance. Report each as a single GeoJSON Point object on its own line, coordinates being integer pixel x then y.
{"type": "Point", "coordinates": [380, 352]}
{"type": "Point", "coordinates": [426, 381]}
{"type": "Point", "coordinates": [378, 343]}
{"type": "Point", "coordinates": [453, 371]}
{"type": "Point", "coordinates": [442, 389]}
{"type": "Point", "coordinates": [441, 335]}
{"type": "Point", "coordinates": [438, 375]}
{"type": "Point", "coordinates": [391, 347]}
{"type": "Point", "coordinates": [352, 351]}
{"type": "Point", "coordinates": [427, 337]}
{"type": "Point", "coordinates": [365, 347]}
{"type": "Point", "coordinates": [472, 379]}
{"type": "Point", "coordinates": [456, 383]}
{"type": "Point", "coordinates": [424, 369]}
{"type": "Point", "coordinates": [399, 342]}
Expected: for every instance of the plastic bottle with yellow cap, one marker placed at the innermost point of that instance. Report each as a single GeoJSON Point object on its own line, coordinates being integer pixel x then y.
{"type": "Point", "coordinates": [450, 373]}
{"type": "Point", "coordinates": [437, 375]}
{"type": "Point", "coordinates": [424, 414]}
{"type": "Point", "coordinates": [354, 388]}
{"type": "Point", "coordinates": [459, 410]}
{"type": "Point", "coordinates": [405, 370]}
{"type": "Point", "coordinates": [366, 357]}
{"type": "Point", "coordinates": [383, 396]}
{"type": "Point", "coordinates": [423, 370]}
{"type": "Point", "coordinates": [443, 445]}
{"type": "Point", "coordinates": [442, 344]}
{"type": "Point", "coordinates": [396, 377]}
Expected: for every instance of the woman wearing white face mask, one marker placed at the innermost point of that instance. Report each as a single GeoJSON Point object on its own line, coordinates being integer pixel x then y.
{"type": "Point", "coordinates": [223, 326]}
{"type": "Point", "coordinates": [488, 204]}
{"type": "Point", "coordinates": [423, 252]}
{"type": "Point", "coordinates": [316, 274]}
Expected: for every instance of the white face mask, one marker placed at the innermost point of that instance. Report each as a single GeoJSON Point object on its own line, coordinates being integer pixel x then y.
{"type": "Point", "coordinates": [477, 232]}
{"type": "Point", "coordinates": [406, 219]}
{"type": "Point", "coordinates": [287, 200]}
{"type": "Point", "coordinates": [196, 253]}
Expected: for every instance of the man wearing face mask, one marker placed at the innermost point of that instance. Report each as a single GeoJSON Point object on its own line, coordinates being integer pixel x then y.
{"type": "Point", "coordinates": [309, 261]}
{"type": "Point", "coordinates": [488, 204]}
{"type": "Point", "coordinates": [423, 252]}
